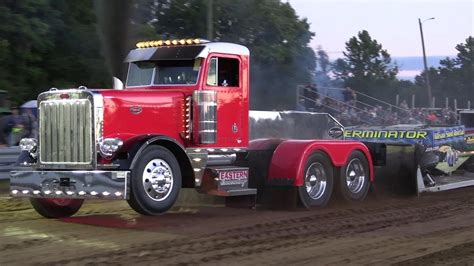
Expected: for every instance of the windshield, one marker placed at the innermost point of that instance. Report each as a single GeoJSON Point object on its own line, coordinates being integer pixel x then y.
{"type": "Point", "coordinates": [165, 72]}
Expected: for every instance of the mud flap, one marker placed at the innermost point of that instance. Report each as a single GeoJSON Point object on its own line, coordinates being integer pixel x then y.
{"type": "Point", "coordinates": [259, 161]}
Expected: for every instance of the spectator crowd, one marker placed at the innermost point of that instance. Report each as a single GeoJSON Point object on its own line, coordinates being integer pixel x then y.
{"type": "Point", "coordinates": [21, 123]}
{"type": "Point", "coordinates": [350, 112]}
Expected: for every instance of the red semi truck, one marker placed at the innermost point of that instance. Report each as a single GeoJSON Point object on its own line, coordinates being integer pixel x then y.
{"type": "Point", "coordinates": [182, 120]}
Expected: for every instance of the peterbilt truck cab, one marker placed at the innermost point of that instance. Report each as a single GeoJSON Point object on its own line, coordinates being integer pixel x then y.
{"type": "Point", "coordinates": [181, 119]}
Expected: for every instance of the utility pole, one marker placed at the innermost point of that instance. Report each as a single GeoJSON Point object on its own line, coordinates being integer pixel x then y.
{"type": "Point", "coordinates": [427, 75]}
{"type": "Point", "coordinates": [210, 19]}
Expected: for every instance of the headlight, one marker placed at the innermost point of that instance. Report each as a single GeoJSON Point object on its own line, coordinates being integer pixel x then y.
{"type": "Point", "coordinates": [28, 145]}
{"type": "Point", "coordinates": [107, 147]}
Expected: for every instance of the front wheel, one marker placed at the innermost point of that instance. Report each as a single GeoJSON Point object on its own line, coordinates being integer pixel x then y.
{"type": "Point", "coordinates": [155, 183]}
{"type": "Point", "coordinates": [318, 181]}
{"type": "Point", "coordinates": [353, 181]}
{"type": "Point", "coordinates": [56, 208]}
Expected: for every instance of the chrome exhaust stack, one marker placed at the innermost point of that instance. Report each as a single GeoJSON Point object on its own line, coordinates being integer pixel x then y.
{"type": "Point", "coordinates": [205, 116]}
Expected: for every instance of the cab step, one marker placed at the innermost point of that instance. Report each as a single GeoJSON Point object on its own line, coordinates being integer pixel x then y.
{"type": "Point", "coordinates": [230, 182]}
{"type": "Point", "coordinates": [226, 181]}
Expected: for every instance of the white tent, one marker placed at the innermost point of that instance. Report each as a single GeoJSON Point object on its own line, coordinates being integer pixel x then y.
{"type": "Point", "coordinates": [29, 104]}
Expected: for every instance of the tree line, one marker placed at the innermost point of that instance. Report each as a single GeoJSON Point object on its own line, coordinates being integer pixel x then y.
{"type": "Point", "coordinates": [63, 44]}
{"type": "Point", "coordinates": [368, 68]}
{"type": "Point", "coordinates": [46, 44]}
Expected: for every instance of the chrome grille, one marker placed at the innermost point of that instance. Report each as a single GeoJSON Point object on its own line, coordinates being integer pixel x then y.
{"type": "Point", "coordinates": [66, 130]}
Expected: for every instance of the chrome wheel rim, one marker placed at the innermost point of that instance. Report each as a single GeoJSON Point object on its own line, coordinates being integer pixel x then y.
{"type": "Point", "coordinates": [157, 179]}
{"type": "Point", "coordinates": [355, 176]}
{"type": "Point", "coordinates": [315, 180]}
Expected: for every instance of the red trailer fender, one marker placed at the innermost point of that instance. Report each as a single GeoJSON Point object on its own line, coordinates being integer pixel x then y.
{"type": "Point", "coordinates": [264, 144]}
{"type": "Point", "coordinates": [288, 160]}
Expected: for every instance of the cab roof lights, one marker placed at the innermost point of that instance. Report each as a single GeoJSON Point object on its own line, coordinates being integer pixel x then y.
{"type": "Point", "coordinates": [158, 43]}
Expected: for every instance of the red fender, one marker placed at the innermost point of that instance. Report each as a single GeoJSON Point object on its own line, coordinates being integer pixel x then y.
{"type": "Point", "coordinates": [288, 161]}
{"type": "Point", "coordinates": [264, 144]}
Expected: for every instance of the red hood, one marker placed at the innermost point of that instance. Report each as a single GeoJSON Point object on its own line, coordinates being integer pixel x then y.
{"type": "Point", "coordinates": [137, 112]}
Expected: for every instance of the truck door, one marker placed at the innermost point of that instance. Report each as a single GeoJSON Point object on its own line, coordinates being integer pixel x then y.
{"type": "Point", "coordinates": [224, 77]}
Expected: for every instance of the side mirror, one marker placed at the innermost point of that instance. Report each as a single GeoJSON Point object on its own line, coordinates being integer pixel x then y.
{"type": "Point", "coordinates": [118, 84]}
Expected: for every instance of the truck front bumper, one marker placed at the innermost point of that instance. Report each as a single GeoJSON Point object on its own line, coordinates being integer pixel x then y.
{"type": "Point", "coordinates": [70, 184]}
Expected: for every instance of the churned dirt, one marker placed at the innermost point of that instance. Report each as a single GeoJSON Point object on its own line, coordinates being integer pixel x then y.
{"type": "Point", "coordinates": [428, 230]}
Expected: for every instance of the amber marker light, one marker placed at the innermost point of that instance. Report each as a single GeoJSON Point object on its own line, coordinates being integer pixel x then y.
{"type": "Point", "coordinates": [157, 43]}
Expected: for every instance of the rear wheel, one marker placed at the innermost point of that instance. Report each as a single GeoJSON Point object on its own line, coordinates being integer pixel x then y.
{"type": "Point", "coordinates": [353, 181]}
{"type": "Point", "coordinates": [155, 183]}
{"type": "Point", "coordinates": [56, 208]}
{"type": "Point", "coordinates": [318, 181]}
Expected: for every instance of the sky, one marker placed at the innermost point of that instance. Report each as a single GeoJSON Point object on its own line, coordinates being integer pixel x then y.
{"type": "Point", "coordinates": [393, 23]}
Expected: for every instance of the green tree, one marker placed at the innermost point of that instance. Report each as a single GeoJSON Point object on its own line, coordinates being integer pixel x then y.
{"type": "Point", "coordinates": [46, 43]}
{"type": "Point", "coordinates": [25, 37]}
{"type": "Point", "coordinates": [366, 66]}
{"type": "Point", "coordinates": [76, 58]}
{"type": "Point", "coordinates": [323, 68]}
{"type": "Point", "coordinates": [56, 43]}
{"type": "Point", "coordinates": [454, 77]}
{"type": "Point", "coordinates": [276, 37]}
{"type": "Point", "coordinates": [323, 61]}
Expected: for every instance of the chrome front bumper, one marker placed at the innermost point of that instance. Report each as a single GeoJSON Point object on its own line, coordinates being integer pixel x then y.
{"type": "Point", "coordinates": [70, 184]}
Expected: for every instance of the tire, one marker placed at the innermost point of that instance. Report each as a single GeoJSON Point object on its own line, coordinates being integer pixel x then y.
{"type": "Point", "coordinates": [318, 181]}
{"type": "Point", "coordinates": [353, 179]}
{"type": "Point", "coordinates": [155, 182]}
{"type": "Point", "coordinates": [56, 208]}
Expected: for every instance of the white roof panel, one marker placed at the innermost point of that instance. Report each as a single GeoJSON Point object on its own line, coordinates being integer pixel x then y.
{"type": "Point", "coordinates": [225, 48]}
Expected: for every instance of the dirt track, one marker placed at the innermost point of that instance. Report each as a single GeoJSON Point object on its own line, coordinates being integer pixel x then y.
{"type": "Point", "coordinates": [434, 229]}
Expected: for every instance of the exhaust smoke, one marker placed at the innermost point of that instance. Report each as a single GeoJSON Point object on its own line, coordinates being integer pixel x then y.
{"type": "Point", "coordinates": [113, 20]}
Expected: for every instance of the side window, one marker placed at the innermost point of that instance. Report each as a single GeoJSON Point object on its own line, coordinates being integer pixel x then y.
{"type": "Point", "coordinates": [212, 75]}
{"type": "Point", "coordinates": [223, 72]}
